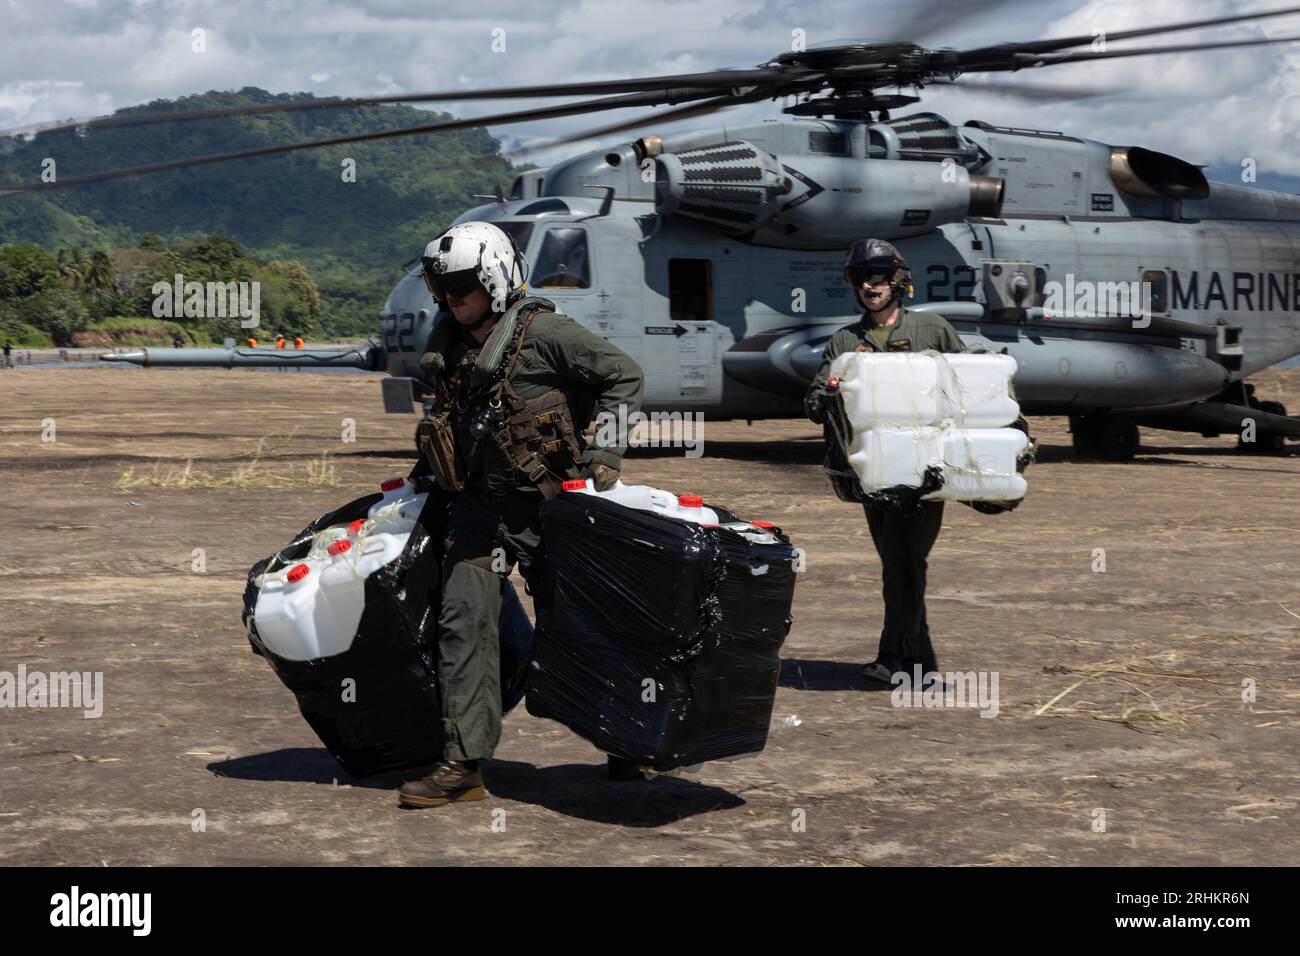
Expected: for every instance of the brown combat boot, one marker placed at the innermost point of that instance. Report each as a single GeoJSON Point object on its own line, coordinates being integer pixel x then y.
{"type": "Point", "coordinates": [452, 781]}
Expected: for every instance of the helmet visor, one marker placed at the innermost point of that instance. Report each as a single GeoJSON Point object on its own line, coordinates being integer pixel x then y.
{"type": "Point", "coordinates": [455, 285]}
{"type": "Point", "coordinates": [873, 275]}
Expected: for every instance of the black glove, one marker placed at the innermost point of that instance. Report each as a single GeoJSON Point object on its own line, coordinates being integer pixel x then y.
{"type": "Point", "coordinates": [815, 399]}
{"type": "Point", "coordinates": [814, 405]}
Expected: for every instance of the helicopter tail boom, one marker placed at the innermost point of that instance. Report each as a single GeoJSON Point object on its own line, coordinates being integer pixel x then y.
{"type": "Point", "coordinates": [366, 357]}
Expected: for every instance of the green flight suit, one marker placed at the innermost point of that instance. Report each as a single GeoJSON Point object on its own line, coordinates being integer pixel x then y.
{"type": "Point", "coordinates": [903, 537]}
{"type": "Point", "coordinates": [494, 522]}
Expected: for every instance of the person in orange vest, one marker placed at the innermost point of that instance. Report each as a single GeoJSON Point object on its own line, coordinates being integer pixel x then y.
{"type": "Point", "coordinates": [279, 342]}
{"type": "Point", "coordinates": [297, 342]}
{"type": "Point", "coordinates": [252, 342]}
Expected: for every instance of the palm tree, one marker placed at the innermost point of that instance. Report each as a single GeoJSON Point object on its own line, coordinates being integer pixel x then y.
{"type": "Point", "coordinates": [72, 267]}
{"type": "Point", "coordinates": [98, 273]}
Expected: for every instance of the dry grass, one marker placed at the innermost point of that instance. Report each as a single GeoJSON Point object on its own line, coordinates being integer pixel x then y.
{"type": "Point", "coordinates": [318, 472]}
{"type": "Point", "coordinates": [1142, 693]}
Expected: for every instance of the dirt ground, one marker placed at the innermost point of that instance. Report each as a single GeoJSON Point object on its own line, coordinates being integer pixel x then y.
{"type": "Point", "coordinates": [1122, 735]}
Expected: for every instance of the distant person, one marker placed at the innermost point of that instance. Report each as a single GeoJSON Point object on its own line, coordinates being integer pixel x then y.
{"type": "Point", "coordinates": [279, 342]}
{"type": "Point", "coordinates": [252, 342]}
{"type": "Point", "coordinates": [177, 341]}
{"type": "Point", "coordinates": [298, 342]}
{"type": "Point", "coordinates": [9, 348]}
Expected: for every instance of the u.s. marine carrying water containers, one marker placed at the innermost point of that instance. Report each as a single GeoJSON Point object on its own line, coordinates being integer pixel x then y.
{"type": "Point", "coordinates": [911, 414]}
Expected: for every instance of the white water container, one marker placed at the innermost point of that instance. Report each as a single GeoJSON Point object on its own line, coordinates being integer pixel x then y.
{"type": "Point", "coordinates": [691, 508]}
{"type": "Point", "coordinates": [887, 457]}
{"type": "Point", "coordinates": [304, 615]}
{"type": "Point", "coordinates": [399, 497]}
{"type": "Point", "coordinates": [892, 388]}
{"type": "Point", "coordinates": [645, 498]}
{"type": "Point", "coordinates": [291, 618]}
{"type": "Point", "coordinates": [977, 393]}
{"type": "Point", "coordinates": [909, 389]}
{"type": "Point", "coordinates": [979, 464]}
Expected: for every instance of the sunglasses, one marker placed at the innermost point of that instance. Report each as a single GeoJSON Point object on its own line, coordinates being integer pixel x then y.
{"type": "Point", "coordinates": [455, 285]}
{"type": "Point", "coordinates": [869, 276]}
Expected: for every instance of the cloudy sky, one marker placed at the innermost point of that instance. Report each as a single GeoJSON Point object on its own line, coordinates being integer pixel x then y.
{"type": "Point", "coordinates": [81, 58]}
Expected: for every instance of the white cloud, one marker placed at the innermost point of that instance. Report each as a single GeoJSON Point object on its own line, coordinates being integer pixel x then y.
{"type": "Point", "coordinates": [60, 58]}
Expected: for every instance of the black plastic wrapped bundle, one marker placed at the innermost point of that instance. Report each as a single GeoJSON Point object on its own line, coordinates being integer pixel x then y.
{"type": "Point", "coordinates": [699, 612]}
{"type": "Point", "coordinates": [394, 721]}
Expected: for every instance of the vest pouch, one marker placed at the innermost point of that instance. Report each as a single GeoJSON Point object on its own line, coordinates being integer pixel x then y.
{"type": "Point", "coordinates": [438, 444]}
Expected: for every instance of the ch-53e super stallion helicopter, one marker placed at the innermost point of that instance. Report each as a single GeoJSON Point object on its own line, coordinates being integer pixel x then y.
{"type": "Point", "coordinates": [714, 256]}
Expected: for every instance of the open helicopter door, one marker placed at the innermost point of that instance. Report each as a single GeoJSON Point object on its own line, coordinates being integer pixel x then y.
{"type": "Point", "coordinates": [690, 311]}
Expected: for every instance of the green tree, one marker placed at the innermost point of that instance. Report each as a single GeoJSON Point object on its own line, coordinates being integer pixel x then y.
{"type": "Point", "coordinates": [291, 302]}
{"type": "Point", "coordinates": [26, 269]}
{"type": "Point", "coordinates": [60, 312]}
{"type": "Point", "coordinates": [99, 272]}
{"type": "Point", "coordinates": [221, 254]}
{"type": "Point", "coordinates": [134, 273]}
{"type": "Point", "coordinates": [72, 266]}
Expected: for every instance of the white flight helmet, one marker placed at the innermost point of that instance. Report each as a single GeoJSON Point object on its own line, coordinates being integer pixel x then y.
{"type": "Point", "coordinates": [470, 256]}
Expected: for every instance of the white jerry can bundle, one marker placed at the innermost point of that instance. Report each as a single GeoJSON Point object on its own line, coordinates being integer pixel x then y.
{"type": "Point", "coordinates": [688, 508]}
{"type": "Point", "coordinates": [312, 609]}
{"type": "Point", "coordinates": [909, 412]}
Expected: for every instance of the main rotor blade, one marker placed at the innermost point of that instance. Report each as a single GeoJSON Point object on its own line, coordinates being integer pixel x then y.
{"type": "Point", "coordinates": [520, 116]}
{"type": "Point", "coordinates": [715, 79]}
{"type": "Point", "coordinates": [668, 116]}
{"type": "Point", "coordinates": [1045, 46]}
{"type": "Point", "coordinates": [1031, 60]}
{"type": "Point", "coordinates": [1038, 94]}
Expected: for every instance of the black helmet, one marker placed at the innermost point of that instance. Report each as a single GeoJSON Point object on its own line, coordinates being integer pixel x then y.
{"type": "Point", "coordinates": [876, 259]}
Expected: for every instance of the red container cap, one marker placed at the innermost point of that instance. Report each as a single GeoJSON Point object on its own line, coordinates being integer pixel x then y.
{"type": "Point", "coordinates": [690, 501]}
{"type": "Point", "coordinates": [704, 525]}
{"type": "Point", "coordinates": [392, 484]}
{"type": "Point", "coordinates": [297, 573]}
{"type": "Point", "coordinates": [355, 526]}
{"type": "Point", "coordinates": [762, 524]}
{"type": "Point", "coordinates": [338, 547]}
{"type": "Point", "coordinates": [833, 382]}
{"type": "Point", "coordinates": [575, 484]}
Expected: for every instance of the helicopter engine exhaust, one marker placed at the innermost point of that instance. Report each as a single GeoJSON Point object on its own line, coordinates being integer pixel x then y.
{"type": "Point", "coordinates": [743, 191]}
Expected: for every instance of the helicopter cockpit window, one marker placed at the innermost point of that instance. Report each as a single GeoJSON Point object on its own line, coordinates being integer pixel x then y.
{"type": "Point", "coordinates": [1158, 282]}
{"type": "Point", "coordinates": [563, 262]}
{"type": "Point", "coordinates": [545, 205]}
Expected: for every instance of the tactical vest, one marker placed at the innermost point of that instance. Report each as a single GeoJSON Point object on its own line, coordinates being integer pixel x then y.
{"type": "Point", "coordinates": [481, 434]}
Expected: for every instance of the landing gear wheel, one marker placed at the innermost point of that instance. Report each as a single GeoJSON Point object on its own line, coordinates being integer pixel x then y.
{"type": "Point", "coordinates": [1084, 436]}
{"type": "Point", "coordinates": [1108, 437]}
{"type": "Point", "coordinates": [1119, 438]}
{"type": "Point", "coordinates": [1265, 444]}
